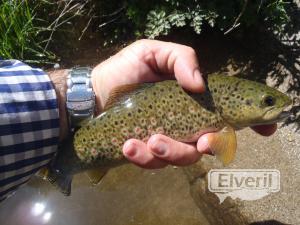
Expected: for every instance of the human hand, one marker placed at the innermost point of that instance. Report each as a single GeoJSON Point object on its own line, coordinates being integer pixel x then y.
{"type": "Point", "coordinates": [151, 61]}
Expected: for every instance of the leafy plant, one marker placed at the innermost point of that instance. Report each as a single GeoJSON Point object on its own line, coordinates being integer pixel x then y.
{"type": "Point", "coordinates": [163, 15]}
{"type": "Point", "coordinates": [31, 29]}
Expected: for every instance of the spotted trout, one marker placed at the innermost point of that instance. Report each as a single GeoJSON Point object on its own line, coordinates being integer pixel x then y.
{"type": "Point", "coordinates": [141, 110]}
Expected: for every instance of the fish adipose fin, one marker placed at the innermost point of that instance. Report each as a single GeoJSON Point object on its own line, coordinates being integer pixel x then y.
{"type": "Point", "coordinates": [96, 175]}
{"type": "Point", "coordinates": [223, 144]}
{"type": "Point", "coordinates": [61, 181]}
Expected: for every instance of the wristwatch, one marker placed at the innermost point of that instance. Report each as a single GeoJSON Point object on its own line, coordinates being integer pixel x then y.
{"type": "Point", "coordinates": [80, 97]}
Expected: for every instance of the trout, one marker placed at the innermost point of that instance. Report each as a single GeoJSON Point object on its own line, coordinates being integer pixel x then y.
{"type": "Point", "coordinates": [141, 110]}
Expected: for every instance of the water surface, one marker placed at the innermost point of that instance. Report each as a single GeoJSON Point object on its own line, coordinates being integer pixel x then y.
{"type": "Point", "coordinates": [127, 195]}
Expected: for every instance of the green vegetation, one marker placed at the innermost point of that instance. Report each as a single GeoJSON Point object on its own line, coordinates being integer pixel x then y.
{"type": "Point", "coordinates": [159, 17]}
{"type": "Point", "coordinates": [31, 29]}
{"type": "Point", "coordinates": [18, 32]}
{"type": "Point", "coordinates": [27, 27]}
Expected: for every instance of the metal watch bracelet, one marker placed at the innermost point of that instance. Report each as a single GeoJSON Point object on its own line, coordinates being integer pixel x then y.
{"type": "Point", "coordinates": [80, 97]}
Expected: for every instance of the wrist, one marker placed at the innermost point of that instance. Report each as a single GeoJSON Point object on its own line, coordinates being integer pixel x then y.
{"type": "Point", "coordinates": [59, 80]}
{"type": "Point", "coordinates": [96, 81]}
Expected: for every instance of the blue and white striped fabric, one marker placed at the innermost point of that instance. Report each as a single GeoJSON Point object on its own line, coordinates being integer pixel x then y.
{"type": "Point", "coordinates": [29, 123]}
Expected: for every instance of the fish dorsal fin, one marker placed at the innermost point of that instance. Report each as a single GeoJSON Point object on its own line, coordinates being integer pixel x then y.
{"type": "Point", "coordinates": [96, 175]}
{"type": "Point", "coordinates": [121, 92]}
{"type": "Point", "coordinates": [223, 144]}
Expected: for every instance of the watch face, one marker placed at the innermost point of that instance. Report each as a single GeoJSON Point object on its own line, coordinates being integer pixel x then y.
{"type": "Point", "coordinates": [80, 107]}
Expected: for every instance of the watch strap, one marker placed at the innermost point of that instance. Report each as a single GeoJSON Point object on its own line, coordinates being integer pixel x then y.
{"type": "Point", "coordinates": [80, 96]}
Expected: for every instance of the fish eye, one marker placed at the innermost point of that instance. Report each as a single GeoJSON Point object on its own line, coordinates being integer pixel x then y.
{"type": "Point", "coordinates": [268, 100]}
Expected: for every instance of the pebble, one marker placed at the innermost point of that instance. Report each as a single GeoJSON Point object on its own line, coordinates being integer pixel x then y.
{"type": "Point", "coordinates": [290, 138]}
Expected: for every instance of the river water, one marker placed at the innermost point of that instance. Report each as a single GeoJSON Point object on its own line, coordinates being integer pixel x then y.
{"type": "Point", "coordinates": [127, 195]}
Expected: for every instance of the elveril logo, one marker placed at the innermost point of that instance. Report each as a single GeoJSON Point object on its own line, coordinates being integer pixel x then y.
{"type": "Point", "coordinates": [246, 184]}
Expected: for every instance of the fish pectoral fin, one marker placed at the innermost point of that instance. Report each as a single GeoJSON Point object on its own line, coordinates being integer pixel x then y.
{"type": "Point", "coordinates": [96, 175]}
{"type": "Point", "coordinates": [223, 144]}
{"type": "Point", "coordinates": [61, 181]}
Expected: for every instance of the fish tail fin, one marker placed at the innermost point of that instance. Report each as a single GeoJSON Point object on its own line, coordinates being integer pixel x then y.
{"type": "Point", "coordinates": [61, 181]}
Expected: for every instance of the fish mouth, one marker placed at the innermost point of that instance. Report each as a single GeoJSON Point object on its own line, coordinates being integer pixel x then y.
{"type": "Point", "coordinates": [281, 115]}
{"type": "Point", "coordinates": [285, 112]}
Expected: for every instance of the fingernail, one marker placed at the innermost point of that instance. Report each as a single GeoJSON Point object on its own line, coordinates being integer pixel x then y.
{"type": "Point", "coordinates": [160, 148]}
{"type": "Point", "coordinates": [131, 151]}
{"type": "Point", "coordinates": [199, 80]}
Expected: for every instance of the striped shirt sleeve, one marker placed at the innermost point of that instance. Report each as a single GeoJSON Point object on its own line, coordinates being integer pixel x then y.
{"type": "Point", "coordinates": [29, 123]}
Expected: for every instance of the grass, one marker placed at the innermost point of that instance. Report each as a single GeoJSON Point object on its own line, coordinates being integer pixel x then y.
{"type": "Point", "coordinates": [27, 27]}
{"type": "Point", "coordinates": [19, 37]}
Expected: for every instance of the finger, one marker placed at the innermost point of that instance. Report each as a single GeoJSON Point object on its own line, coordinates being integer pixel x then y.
{"type": "Point", "coordinates": [265, 130]}
{"type": "Point", "coordinates": [203, 144]}
{"type": "Point", "coordinates": [136, 152]}
{"type": "Point", "coordinates": [176, 60]}
{"type": "Point", "coordinates": [174, 152]}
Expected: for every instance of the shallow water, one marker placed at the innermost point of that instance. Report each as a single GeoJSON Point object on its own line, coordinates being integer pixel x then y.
{"type": "Point", "coordinates": [127, 195]}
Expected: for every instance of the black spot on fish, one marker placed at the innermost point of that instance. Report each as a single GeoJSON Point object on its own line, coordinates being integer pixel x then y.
{"type": "Point", "coordinates": [249, 101]}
